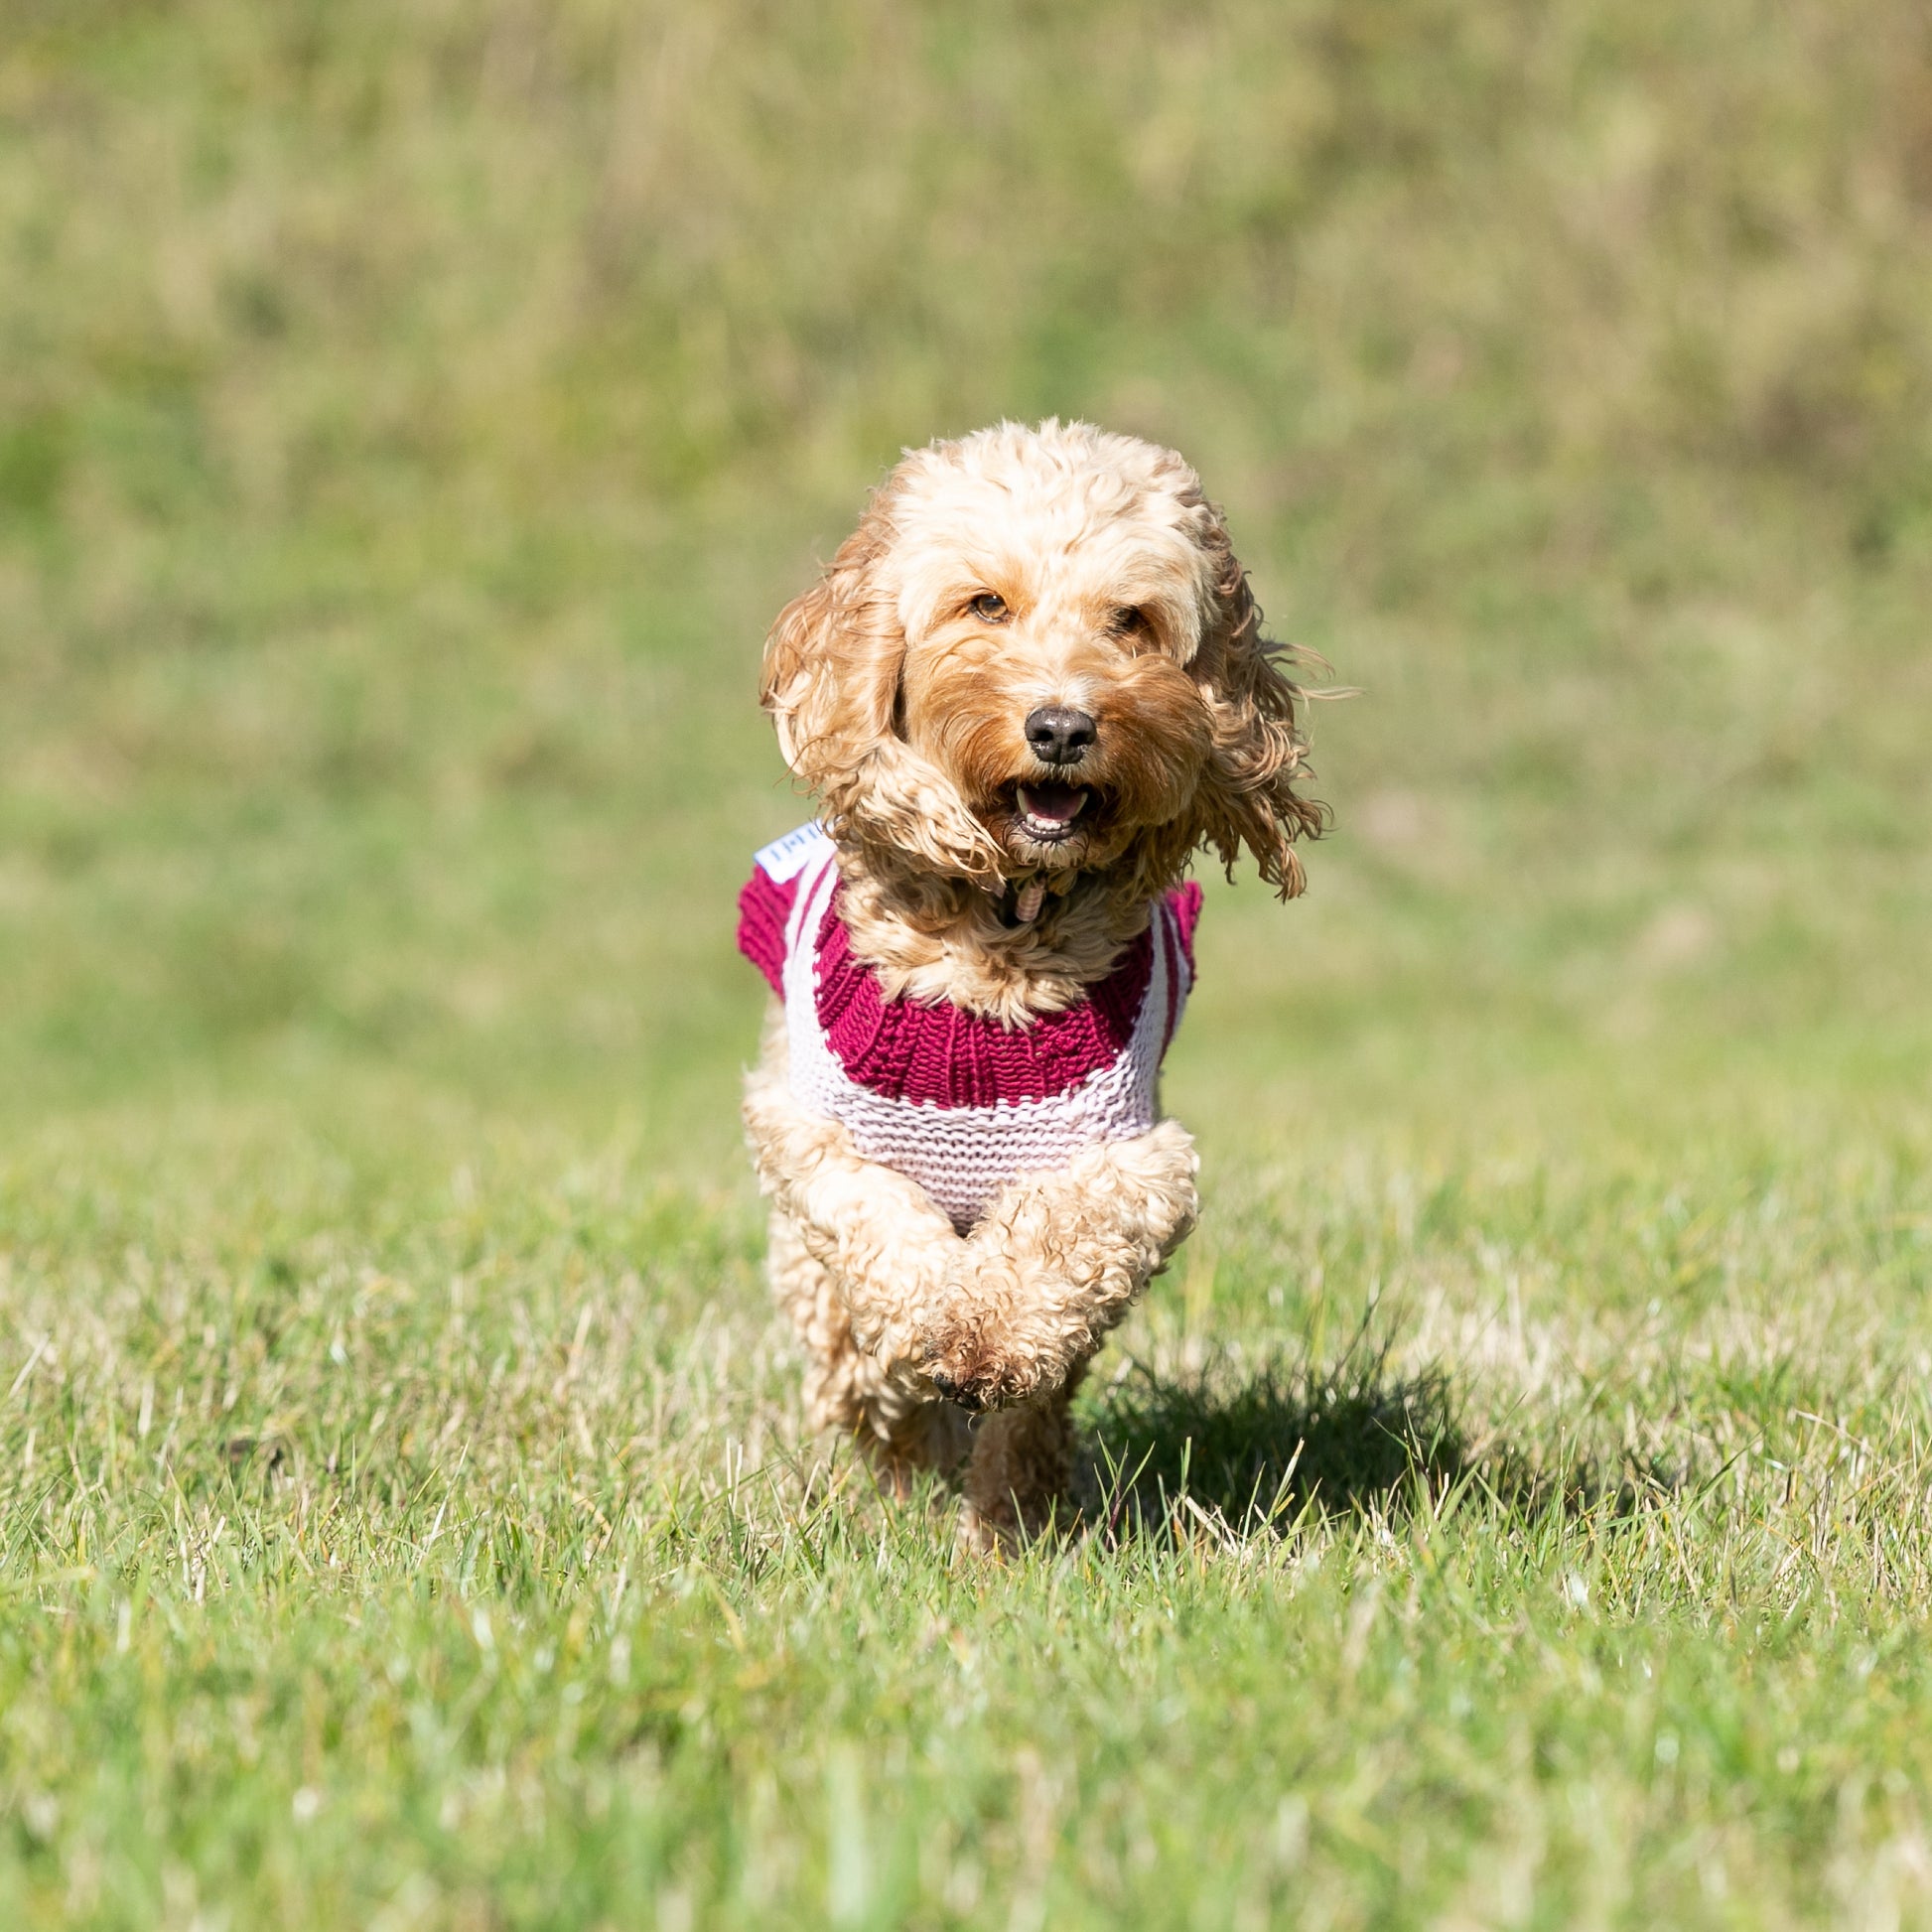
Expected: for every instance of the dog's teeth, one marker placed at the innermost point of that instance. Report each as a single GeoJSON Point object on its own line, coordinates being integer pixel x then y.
{"type": "Point", "coordinates": [1050, 824]}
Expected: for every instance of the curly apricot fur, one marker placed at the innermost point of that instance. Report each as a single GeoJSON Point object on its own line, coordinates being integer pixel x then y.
{"type": "Point", "coordinates": [1014, 569]}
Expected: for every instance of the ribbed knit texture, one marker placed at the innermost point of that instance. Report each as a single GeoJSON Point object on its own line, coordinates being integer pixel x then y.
{"type": "Point", "coordinates": [764, 907]}
{"type": "Point", "coordinates": [946, 1058]}
{"type": "Point", "coordinates": [956, 1101]}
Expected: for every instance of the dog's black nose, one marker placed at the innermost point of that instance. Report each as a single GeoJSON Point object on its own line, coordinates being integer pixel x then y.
{"type": "Point", "coordinates": [1060, 735]}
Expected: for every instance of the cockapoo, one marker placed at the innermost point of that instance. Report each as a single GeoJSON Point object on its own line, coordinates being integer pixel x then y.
{"type": "Point", "coordinates": [1027, 690]}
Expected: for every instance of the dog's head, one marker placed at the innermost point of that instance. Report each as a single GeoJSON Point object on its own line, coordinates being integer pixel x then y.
{"type": "Point", "coordinates": [1037, 654]}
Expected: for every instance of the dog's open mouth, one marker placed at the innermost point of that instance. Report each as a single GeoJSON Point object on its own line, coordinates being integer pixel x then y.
{"type": "Point", "coordinates": [1047, 813]}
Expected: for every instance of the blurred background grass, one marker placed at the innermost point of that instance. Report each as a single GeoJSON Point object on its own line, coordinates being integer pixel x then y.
{"type": "Point", "coordinates": [412, 415]}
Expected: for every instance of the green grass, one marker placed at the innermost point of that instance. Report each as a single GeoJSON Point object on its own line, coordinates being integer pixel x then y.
{"type": "Point", "coordinates": [440, 1546]}
{"type": "Point", "coordinates": [1510, 1511]}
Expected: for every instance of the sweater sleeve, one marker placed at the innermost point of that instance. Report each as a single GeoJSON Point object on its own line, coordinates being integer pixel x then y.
{"type": "Point", "coordinates": [764, 907]}
{"type": "Point", "coordinates": [1185, 902]}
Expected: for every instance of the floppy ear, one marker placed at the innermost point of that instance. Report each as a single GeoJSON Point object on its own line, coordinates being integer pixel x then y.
{"type": "Point", "coordinates": [831, 667]}
{"type": "Point", "coordinates": [831, 677]}
{"type": "Point", "coordinates": [1247, 794]}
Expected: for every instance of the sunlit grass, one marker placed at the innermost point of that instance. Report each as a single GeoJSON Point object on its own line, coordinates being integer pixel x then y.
{"type": "Point", "coordinates": [443, 1546]}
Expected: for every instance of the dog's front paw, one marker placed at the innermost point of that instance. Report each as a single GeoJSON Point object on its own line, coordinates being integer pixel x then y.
{"type": "Point", "coordinates": [968, 1369]}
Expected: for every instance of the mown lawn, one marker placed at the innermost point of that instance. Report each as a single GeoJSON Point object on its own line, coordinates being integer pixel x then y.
{"type": "Point", "coordinates": [1510, 1511]}
{"type": "Point", "coordinates": [389, 1542]}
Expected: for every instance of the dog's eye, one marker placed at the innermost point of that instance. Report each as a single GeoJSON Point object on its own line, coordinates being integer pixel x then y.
{"type": "Point", "coordinates": [1128, 621]}
{"type": "Point", "coordinates": [987, 607]}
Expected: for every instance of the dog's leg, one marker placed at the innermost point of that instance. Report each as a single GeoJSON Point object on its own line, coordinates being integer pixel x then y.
{"type": "Point", "coordinates": [1019, 1481]}
{"type": "Point", "coordinates": [922, 1435]}
{"type": "Point", "coordinates": [897, 1425]}
{"type": "Point", "coordinates": [1056, 1263]}
{"type": "Point", "coordinates": [840, 1381]}
{"type": "Point", "coordinates": [1007, 1318]}
{"type": "Point", "coordinates": [891, 1255]}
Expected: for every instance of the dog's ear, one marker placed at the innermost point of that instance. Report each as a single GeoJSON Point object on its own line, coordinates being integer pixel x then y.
{"type": "Point", "coordinates": [831, 683]}
{"type": "Point", "coordinates": [832, 666]}
{"type": "Point", "coordinates": [1247, 795]}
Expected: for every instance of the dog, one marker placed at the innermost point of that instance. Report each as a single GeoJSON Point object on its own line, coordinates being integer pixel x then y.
{"type": "Point", "coordinates": [1027, 691]}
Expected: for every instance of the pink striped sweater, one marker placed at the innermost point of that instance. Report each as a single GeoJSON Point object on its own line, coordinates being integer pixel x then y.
{"type": "Point", "coordinates": [958, 1102]}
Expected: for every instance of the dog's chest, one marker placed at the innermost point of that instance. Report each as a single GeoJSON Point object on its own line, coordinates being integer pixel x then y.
{"type": "Point", "coordinates": [954, 1101]}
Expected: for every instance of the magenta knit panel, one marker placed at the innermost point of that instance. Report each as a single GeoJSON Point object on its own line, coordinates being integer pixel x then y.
{"type": "Point", "coordinates": [944, 1056]}
{"type": "Point", "coordinates": [939, 1054]}
{"type": "Point", "coordinates": [764, 907]}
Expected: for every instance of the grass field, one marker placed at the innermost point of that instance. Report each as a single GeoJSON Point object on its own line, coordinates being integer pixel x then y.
{"type": "Point", "coordinates": [1512, 1508]}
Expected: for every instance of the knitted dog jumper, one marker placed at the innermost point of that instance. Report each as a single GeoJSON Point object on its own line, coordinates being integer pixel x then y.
{"type": "Point", "coordinates": [958, 1102]}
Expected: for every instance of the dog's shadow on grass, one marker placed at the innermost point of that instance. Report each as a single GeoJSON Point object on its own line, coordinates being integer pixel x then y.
{"type": "Point", "coordinates": [1254, 1446]}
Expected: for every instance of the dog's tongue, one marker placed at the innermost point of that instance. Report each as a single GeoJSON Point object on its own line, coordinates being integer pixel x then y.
{"type": "Point", "coordinates": [1062, 802]}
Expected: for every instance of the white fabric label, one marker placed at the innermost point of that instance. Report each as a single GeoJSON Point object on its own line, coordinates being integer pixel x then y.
{"type": "Point", "coordinates": [785, 858]}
